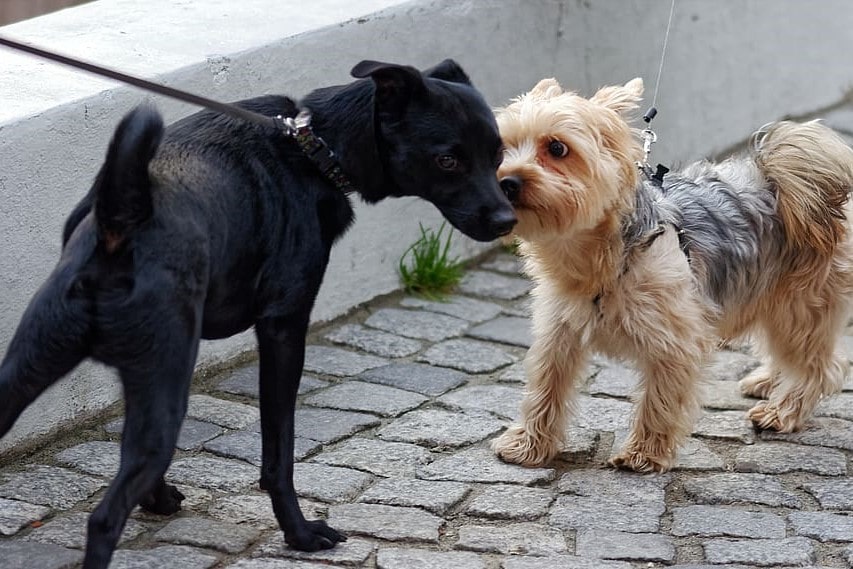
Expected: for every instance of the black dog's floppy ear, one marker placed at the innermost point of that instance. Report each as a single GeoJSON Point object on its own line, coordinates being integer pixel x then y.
{"type": "Point", "coordinates": [448, 70]}
{"type": "Point", "coordinates": [395, 84]}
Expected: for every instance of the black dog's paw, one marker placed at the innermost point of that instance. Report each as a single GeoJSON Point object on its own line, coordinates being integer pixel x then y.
{"type": "Point", "coordinates": [165, 500]}
{"type": "Point", "coordinates": [314, 536]}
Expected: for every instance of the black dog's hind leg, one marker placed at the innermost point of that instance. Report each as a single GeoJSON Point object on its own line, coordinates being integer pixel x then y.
{"type": "Point", "coordinates": [281, 344]}
{"type": "Point", "coordinates": [156, 394]}
{"type": "Point", "coordinates": [50, 341]}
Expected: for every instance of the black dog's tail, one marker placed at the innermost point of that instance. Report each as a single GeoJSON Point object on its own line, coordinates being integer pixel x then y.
{"type": "Point", "coordinates": [123, 190]}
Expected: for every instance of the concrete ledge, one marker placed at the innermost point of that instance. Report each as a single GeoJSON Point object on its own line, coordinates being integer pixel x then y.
{"type": "Point", "coordinates": [730, 68]}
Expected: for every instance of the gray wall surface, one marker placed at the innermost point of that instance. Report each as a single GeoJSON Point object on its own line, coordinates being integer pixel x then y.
{"type": "Point", "coordinates": [730, 67]}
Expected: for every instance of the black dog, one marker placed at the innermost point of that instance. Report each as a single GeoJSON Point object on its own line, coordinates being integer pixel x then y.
{"type": "Point", "coordinates": [216, 225]}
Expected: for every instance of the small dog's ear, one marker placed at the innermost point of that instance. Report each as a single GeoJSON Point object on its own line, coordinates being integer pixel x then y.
{"type": "Point", "coordinates": [620, 98]}
{"type": "Point", "coordinates": [395, 84]}
{"type": "Point", "coordinates": [448, 70]}
{"type": "Point", "coordinates": [546, 89]}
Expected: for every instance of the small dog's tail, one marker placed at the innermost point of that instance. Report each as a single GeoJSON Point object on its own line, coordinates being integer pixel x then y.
{"type": "Point", "coordinates": [123, 188]}
{"type": "Point", "coordinates": [810, 168]}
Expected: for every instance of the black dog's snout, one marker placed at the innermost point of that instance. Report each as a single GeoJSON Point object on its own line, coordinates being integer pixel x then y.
{"type": "Point", "coordinates": [502, 222]}
{"type": "Point", "coordinates": [511, 186]}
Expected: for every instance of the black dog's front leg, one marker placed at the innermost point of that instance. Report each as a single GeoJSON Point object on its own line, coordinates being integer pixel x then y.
{"type": "Point", "coordinates": [281, 343]}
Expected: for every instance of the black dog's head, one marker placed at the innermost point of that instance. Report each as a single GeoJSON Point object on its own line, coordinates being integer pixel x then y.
{"type": "Point", "coordinates": [439, 141]}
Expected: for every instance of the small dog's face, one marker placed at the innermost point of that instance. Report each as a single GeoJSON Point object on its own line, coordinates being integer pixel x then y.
{"type": "Point", "coordinates": [568, 160]}
{"type": "Point", "coordinates": [441, 143]}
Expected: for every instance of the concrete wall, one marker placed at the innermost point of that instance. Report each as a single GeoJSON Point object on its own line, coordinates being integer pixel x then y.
{"type": "Point", "coordinates": [730, 68]}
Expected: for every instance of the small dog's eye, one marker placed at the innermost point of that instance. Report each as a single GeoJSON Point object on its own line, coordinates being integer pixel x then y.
{"type": "Point", "coordinates": [557, 149]}
{"type": "Point", "coordinates": [446, 161]}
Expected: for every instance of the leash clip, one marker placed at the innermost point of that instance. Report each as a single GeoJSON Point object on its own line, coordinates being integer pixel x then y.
{"type": "Point", "coordinates": [292, 125]}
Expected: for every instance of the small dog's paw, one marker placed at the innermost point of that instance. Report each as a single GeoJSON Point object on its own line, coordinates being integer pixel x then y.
{"type": "Point", "coordinates": [314, 535]}
{"type": "Point", "coordinates": [165, 500]}
{"type": "Point", "coordinates": [759, 383]}
{"type": "Point", "coordinates": [517, 446]}
{"type": "Point", "coordinates": [639, 462]}
{"type": "Point", "coordinates": [770, 418]}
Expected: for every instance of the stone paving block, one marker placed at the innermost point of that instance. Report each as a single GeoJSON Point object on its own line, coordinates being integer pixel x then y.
{"type": "Point", "coordinates": [420, 378]}
{"type": "Point", "coordinates": [272, 563]}
{"type": "Point", "coordinates": [838, 406]}
{"type": "Point", "coordinates": [50, 486]}
{"type": "Point", "coordinates": [99, 458]}
{"type": "Point", "coordinates": [472, 356]}
{"type": "Point", "coordinates": [696, 455]}
{"type": "Point", "coordinates": [328, 426]}
{"type": "Point", "coordinates": [391, 523]}
{"type": "Point", "coordinates": [203, 532]}
{"type": "Point", "coordinates": [328, 483]}
{"type": "Point", "coordinates": [70, 531]}
{"type": "Point", "coordinates": [513, 374]}
{"type": "Point", "coordinates": [339, 362]}
{"type": "Point", "coordinates": [732, 488]}
{"type": "Point", "coordinates": [615, 380]}
{"type": "Point", "coordinates": [822, 526]}
{"type": "Point", "coordinates": [388, 558]}
{"type": "Point", "coordinates": [718, 521]}
{"type": "Point", "coordinates": [504, 263]}
{"type": "Point", "coordinates": [491, 285]}
{"type": "Point", "coordinates": [603, 414]}
{"type": "Point", "coordinates": [729, 365]}
{"type": "Point", "coordinates": [579, 441]}
{"type": "Point", "coordinates": [374, 341]}
{"type": "Point", "coordinates": [606, 513]}
{"type": "Point", "coordinates": [516, 539]}
{"type": "Point", "coordinates": [16, 515]}
{"type": "Point", "coordinates": [213, 473]}
{"type": "Point", "coordinates": [377, 457]}
{"type": "Point", "coordinates": [820, 431]}
{"type": "Point", "coordinates": [508, 502]}
{"type": "Point", "coordinates": [245, 445]}
{"type": "Point", "coordinates": [522, 307]}
{"type": "Point", "coordinates": [481, 465]}
{"type": "Point", "coordinates": [562, 562]}
{"type": "Point", "coordinates": [606, 544]}
{"type": "Point", "coordinates": [437, 428]}
{"type": "Point", "coordinates": [193, 433]}
{"type": "Point", "coordinates": [221, 412]}
{"type": "Point", "coordinates": [832, 494]}
{"type": "Point", "coordinates": [368, 397]}
{"type": "Point", "coordinates": [245, 509]}
{"type": "Point", "coordinates": [244, 381]}
{"type": "Point", "coordinates": [16, 554]}
{"type": "Point", "coordinates": [760, 552]}
{"type": "Point", "coordinates": [501, 400]}
{"type": "Point", "coordinates": [778, 458]}
{"type": "Point", "coordinates": [848, 555]}
{"type": "Point", "coordinates": [352, 552]}
{"type": "Point", "coordinates": [436, 496]}
{"type": "Point", "coordinates": [725, 395]}
{"type": "Point", "coordinates": [727, 425]}
{"type": "Point", "coordinates": [506, 330]}
{"type": "Point", "coordinates": [163, 557]}
{"type": "Point", "coordinates": [628, 487]}
{"type": "Point", "coordinates": [415, 324]}
{"type": "Point", "coordinates": [463, 307]}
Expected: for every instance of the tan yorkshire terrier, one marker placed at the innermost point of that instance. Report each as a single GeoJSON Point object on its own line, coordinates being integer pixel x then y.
{"type": "Point", "coordinates": [658, 273]}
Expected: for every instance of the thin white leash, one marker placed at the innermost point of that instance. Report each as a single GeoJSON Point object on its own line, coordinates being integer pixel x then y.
{"type": "Point", "coordinates": [649, 136]}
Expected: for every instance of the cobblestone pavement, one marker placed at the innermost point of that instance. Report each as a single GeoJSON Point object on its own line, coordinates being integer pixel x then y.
{"type": "Point", "coordinates": [398, 404]}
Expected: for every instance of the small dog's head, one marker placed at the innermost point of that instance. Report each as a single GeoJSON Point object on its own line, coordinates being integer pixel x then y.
{"type": "Point", "coordinates": [439, 141]}
{"type": "Point", "coordinates": [568, 160]}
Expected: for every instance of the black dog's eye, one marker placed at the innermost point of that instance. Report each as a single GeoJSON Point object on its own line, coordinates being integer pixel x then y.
{"type": "Point", "coordinates": [499, 157]}
{"type": "Point", "coordinates": [446, 161]}
{"type": "Point", "coordinates": [557, 149]}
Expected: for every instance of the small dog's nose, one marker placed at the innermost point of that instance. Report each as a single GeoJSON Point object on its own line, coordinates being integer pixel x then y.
{"type": "Point", "coordinates": [502, 222]}
{"type": "Point", "coordinates": [511, 186]}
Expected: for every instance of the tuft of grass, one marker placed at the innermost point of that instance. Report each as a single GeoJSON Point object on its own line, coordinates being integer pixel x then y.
{"type": "Point", "coordinates": [426, 268]}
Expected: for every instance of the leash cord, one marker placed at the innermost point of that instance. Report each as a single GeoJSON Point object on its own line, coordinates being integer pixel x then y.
{"type": "Point", "coordinates": [663, 52]}
{"type": "Point", "coordinates": [158, 88]}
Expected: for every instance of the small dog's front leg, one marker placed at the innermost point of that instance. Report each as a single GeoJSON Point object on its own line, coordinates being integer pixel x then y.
{"type": "Point", "coordinates": [281, 345]}
{"type": "Point", "coordinates": [553, 363]}
{"type": "Point", "coordinates": [664, 415]}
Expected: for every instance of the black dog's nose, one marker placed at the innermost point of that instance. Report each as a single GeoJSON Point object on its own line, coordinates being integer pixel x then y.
{"type": "Point", "coordinates": [511, 186]}
{"type": "Point", "coordinates": [502, 222]}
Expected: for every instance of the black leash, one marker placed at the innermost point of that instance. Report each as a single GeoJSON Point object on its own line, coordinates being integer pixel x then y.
{"type": "Point", "coordinates": [314, 147]}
